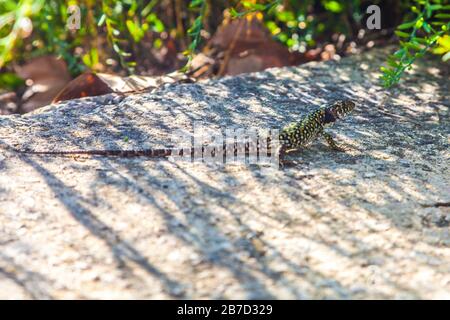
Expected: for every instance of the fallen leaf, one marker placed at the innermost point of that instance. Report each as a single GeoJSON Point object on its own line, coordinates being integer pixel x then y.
{"type": "Point", "coordinates": [95, 84]}
{"type": "Point", "coordinates": [85, 85]}
{"type": "Point", "coordinates": [246, 45]}
{"type": "Point", "coordinates": [44, 76]}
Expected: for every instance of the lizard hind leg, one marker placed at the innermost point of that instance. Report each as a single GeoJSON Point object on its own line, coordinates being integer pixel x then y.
{"type": "Point", "coordinates": [280, 153]}
{"type": "Point", "coordinates": [332, 143]}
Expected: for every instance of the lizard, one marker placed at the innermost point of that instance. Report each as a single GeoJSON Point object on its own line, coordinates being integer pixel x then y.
{"type": "Point", "coordinates": [299, 134]}
{"type": "Point", "coordinates": [291, 137]}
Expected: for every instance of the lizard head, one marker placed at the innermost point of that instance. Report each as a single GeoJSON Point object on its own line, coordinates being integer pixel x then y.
{"type": "Point", "coordinates": [337, 110]}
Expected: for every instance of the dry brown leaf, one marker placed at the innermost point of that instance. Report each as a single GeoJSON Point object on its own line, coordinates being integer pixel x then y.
{"type": "Point", "coordinates": [95, 84]}
{"type": "Point", "coordinates": [248, 47]}
{"type": "Point", "coordinates": [45, 76]}
{"type": "Point", "coordinates": [85, 85]}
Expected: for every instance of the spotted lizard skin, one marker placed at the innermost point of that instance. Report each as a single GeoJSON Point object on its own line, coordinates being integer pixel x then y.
{"type": "Point", "coordinates": [300, 134]}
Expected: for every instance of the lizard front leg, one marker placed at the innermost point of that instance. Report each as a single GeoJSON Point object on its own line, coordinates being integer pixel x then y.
{"type": "Point", "coordinates": [330, 141]}
{"type": "Point", "coordinates": [281, 154]}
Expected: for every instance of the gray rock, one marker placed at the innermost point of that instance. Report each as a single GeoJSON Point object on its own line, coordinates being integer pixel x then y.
{"type": "Point", "coordinates": [104, 227]}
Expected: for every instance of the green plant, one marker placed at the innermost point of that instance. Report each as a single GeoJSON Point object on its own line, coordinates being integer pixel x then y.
{"type": "Point", "coordinates": [126, 24]}
{"type": "Point", "coordinates": [52, 36]}
{"type": "Point", "coordinates": [428, 29]}
{"type": "Point", "coordinates": [10, 80]}
{"type": "Point", "coordinates": [195, 30]}
{"type": "Point", "coordinates": [15, 24]}
{"type": "Point", "coordinates": [136, 29]}
{"type": "Point", "coordinates": [299, 24]}
{"type": "Point", "coordinates": [254, 6]}
{"type": "Point", "coordinates": [116, 26]}
{"type": "Point", "coordinates": [40, 27]}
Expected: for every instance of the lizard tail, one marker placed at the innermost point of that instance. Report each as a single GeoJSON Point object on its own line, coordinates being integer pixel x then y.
{"type": "Point", "coordinates": [118, 153]}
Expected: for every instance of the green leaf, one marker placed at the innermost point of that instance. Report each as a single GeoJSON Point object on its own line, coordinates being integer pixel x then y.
{"type": "Point", "coordinates": [419, 23]}
{"type": "Point", "coordinates": [406, 25]}
{"type": "Point", "coordinates": [437, 23]}
{"type": "Point", "coordinates": [399, 53]}
{"type": "Point", "coordinates": [156, 23]}
{"type": "Point", "coordinates": [402, 34]}
{"type": "Point", "coordinates": [443, 16]}
{"type": "Point", "coordinates": [428, 9]}
{"type": "Point", "coordinates": [87, 60]}
{"type": "Point", "coordinates": [434, 38]}
{"type": "Point", "coordinates": [101, 21]}
{"type": "Point", "coordinates": [253, 6]}
{"type": "Point", "coordinates": [413, 46]}
{"type": "Point", "coordinates": [234, 13]}
{"type": "Point", "coordinates": [157, 43]}
{"type": "Point", "coordinates": [258, 7]}
{"type": "Point", "coordinates": [116, 48]}
{"type": "Point", "coordinates": [247, 4]}
{"type": "Point", "coordinates": [435, 7]}
{"type": "Point", "coordinates": [94, 56]}
{"type": "Point", "coordinates": [392, 62]}
{"type": "Point", "coordinates": [10, 80]}
{"type": "Point", "coordinates": [196, 3]}
{"type": "Point", "coordinates": [134, 30]}
{"type": "Point", "coordinates": [285, 16]}
{"type": "Point", "coordinates": [193, 44]}
{"type": "Point", "coordinates": [158, 26]}
{"type": "Point", "coordinates": [333, 6]}
{"type": "Point", "coordinates": [148, 8]}
{"type": "Point", "coordinates": [420, 40]}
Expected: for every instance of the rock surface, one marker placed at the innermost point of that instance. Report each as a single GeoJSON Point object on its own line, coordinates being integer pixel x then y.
{"type": "Point", "coordinates": [372, 222]}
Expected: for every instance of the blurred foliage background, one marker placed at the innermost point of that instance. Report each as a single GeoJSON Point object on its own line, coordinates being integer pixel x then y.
{"type": "Point", "coordinates": [158, 36]}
